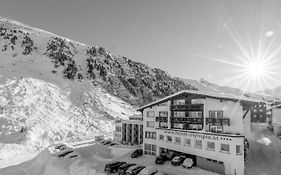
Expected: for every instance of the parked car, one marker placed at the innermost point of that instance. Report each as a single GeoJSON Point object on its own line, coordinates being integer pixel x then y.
{"type": "Point", "coordinates": [178, 160]}
{"type": "Point", "coordinates": [112, 167]}
{"type": "Point", "coordinates": [123, 168]}
{"type": "Point", "coordinates": [134, 170]}
{"type": "Point", "coordinates": [112, 144]}
{"type": "Point", "coordinates": [170, 155]}
{"type": "Point", "coordinates": [137, 153]}
{"type": "Point", "coordinates": [161, 159]}
{"type": "Point", "coordinates": [106, 142]}
{"type": "Point", "coordinates": [188, 163]}
{"type": "Point", "coordinates": [59, 148]}
{"type": "Point", "coordinates": [148, 170]}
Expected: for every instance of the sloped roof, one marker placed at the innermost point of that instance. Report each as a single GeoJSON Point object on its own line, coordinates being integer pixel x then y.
{"type": "Point", "coordinates": [203, 94]}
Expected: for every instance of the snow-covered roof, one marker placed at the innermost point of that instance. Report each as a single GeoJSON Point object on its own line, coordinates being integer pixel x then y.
{"type": "Point", "coordinates": [204, 94]}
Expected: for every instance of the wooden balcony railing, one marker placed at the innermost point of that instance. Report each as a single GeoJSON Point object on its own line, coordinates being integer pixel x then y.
{"type": "Point", "coordinates": [187, 107]}
{"type": "Point", "coordinates": [186, 120]}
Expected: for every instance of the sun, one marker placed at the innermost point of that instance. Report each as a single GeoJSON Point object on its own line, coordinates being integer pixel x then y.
{"type": "Point", "coordinates": [256, 69]}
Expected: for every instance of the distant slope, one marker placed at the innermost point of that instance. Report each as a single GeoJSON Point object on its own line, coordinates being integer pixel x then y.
{"type": "Point", "coordinates": [201, 86]}
{"type": "Point", "coordinates": [204, 85]}
{"type": "Point", "coordinates": [276, 92]}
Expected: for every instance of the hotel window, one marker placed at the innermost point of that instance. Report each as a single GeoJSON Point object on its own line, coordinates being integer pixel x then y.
{"type": "Point", "coordinates": [238, 149]}
{"type": "Point", "coordinates": [216, 129]}
{"type": "Point", "coordinates": [163, 125]}
{"type": "Point", "coordinates": [149, 149]}
{"type": "Point", "coordinates": [161, 137]}
{"type": "Point", "coordinates": [198, 143]}
{"type": "Point", "coordinates": [195, 114]}
{"type": "Point", "coordinates": [177, 140]}
{"type": "Point", "coordinates": [169, 138]}
{"type": "Point", "coordinates": [195, 126]}
{"type": "Point", "coordinates": [197, 101]}
{"type": "Point", "coordinates": [211, 145]}
{"type": "Point", "coordinates": [225, 147]}
{"type": "Point", "coordinates": [216, 114]}
{"type": "Point", "coordinates": [150, 124]}
{"type": "Point", "coordinates": [179, 114]}
{"type": "Point", "coordinates": [163, 114]}
{"type": "Point", "coordinates": [150, 135]}
{"type": "Point", "coordinates": [150, 114]}
{"type": "Point", "coordinates": [179, 102]}
{"type": "Point", "coordinates": [178, 125]}
{"type": "Point", "coordinates": [187, 142]}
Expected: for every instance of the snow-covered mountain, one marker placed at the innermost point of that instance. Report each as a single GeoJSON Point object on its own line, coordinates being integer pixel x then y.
{"type": "Point", "coordinates": [56, 89]}
{"type": "Point", "coordinates": [204, 85]}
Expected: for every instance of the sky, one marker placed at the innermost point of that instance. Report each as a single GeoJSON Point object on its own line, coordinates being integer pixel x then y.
{"type": "Point", "coordinates": [215, 40]}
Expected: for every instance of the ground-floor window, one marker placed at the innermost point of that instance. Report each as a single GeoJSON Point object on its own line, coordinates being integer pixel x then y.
{"type": "Point", "coordinates": [177, 140]}
{"type": "Point", "coordinates": [211, 145]}
{"type": "Point", "coordinates": [187, 142]}
{"type": "Point", "coordinates": [161, 137]}
{"type": "Point", "coordinates": [238, 149]}
{"type": "Point", "coordinates": [198, 143]}
{"type": "Point", "coordinates": [149, 149]}
{"type": "Point", "coordinates": [169, 138]}
{"type": "Point", "coordinates": [225, 148]}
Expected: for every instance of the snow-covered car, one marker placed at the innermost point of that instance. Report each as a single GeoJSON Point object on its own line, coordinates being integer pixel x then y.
{"type": "Point", "coordinates": [148, 170]}
{"type": "Point", "coordinates": [159, 173]}
{"type": "Point", "coordinates": [134, 170]}
{"type": "Point", "coordinates": [123, 168]}
{"type": "Point", "coordinates": [60, 148]}
{"type": "Point", "coordinates": [178, 160]}
{"type": "Point", "coordinates": [188, 163]}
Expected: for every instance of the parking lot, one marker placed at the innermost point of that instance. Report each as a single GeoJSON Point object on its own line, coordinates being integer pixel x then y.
{"type": "Point", "coordinates": [147, 160]}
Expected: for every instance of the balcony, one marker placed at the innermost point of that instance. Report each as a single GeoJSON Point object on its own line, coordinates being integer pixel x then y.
{"type": "Point", "coordinates": [188, 107]}
{"type": "Point", "coordinates": [218, 121]}
{"type": "Point", "coordinates": [186, 120]}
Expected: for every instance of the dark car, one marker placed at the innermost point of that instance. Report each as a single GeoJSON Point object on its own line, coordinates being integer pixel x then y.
{"type": "Point", "coordinates": [112, 167]}
{"type": "Point", "coordinates": [107, 142]}
{"type": "Point", "coordinates": [178, 160]}
{"type": "Point", "coordinates": [123, 168]}
{"type": "Point", "coordinates": [161, 159]}
{"type": "Point", "coordinates": [137, 153]}
{"type": "Point", "coordinates": [134, 171]}
{"type": "Point", "coordinates": [170, 155]}
{"type": "Point", "coordinates": [112, 144]}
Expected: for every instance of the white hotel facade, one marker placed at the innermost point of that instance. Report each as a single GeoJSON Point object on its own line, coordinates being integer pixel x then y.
{"type": "Point", "coordinates": [208, 127]}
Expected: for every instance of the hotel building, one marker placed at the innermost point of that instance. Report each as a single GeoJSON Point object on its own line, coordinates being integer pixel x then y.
{"type": "Point", "coordinates": [129, 131]}
{"type": "Point", "coordinates": [208, 127]}
{"type": "Point", "coordinates": [274, 114]}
